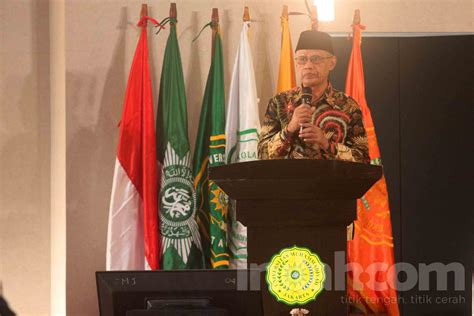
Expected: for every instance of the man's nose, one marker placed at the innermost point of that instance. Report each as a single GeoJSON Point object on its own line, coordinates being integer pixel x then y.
{"type": "Point", "coordinates": [308, 65]}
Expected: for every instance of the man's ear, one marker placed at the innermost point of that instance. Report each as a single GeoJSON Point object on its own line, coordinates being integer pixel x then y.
{"type": "Point", "coordinates": [333, 63]}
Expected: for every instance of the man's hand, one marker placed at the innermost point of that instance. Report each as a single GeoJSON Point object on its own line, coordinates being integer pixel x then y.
{"type": "Point", "coordinates": [301, 116]}
{"type": "Point", "coordinates": [313, 135]}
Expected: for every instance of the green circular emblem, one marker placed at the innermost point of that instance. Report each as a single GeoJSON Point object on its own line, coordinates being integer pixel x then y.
{"type": "Point", "coordinates": [295, 276]}
{"type": "Point", "coordinates": [177, 207]}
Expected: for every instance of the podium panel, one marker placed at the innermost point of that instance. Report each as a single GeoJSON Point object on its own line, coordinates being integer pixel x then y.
{"type": "Point", "coordinates": [307, 203]}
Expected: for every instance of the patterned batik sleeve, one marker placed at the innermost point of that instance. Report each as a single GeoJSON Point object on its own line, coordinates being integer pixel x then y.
{"type": "Point", "coordinates": [357, 139]}
{"type": "Point", "coordinates": [272, 141]}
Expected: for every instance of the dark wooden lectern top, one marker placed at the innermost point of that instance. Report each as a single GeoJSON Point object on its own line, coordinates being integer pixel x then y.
{"type": "Point", "coordinates": [295, 179]}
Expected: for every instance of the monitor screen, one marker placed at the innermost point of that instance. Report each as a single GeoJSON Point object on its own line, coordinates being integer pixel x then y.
{"type": "Point", "coordinates": [220, 292]}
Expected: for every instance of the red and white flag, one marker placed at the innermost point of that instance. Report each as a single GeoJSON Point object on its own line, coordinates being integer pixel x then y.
{"type": "Point", "coordinates": [132, 239]}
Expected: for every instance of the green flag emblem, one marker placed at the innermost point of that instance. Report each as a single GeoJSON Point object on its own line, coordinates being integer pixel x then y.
{"type": "Point", "coordinates": [181, 242]}
{"type": "Point", "coordinates": [210, 151]}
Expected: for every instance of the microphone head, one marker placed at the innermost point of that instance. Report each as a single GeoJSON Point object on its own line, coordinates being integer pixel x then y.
{"type": "Point", "coordinates": [306, 95]}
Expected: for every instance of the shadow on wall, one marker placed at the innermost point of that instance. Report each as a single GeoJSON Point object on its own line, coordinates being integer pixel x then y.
{"type": "Point", "coordinates": [193, 78]}
{"type": "Point", "coordinates": [92, 134]}
{"type": "Point", "coordinates": [261, 62]}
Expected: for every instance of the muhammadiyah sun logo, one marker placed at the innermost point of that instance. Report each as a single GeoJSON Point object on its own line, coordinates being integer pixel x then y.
{"type": "Point", "coordinates": [295, 276]}
{"type": "Point", "coordinates": [219, 199]}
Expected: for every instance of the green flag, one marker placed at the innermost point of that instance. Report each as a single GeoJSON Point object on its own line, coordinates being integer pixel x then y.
{"type": "Point", "coordinates": [181, 242]}
{"type": "Point", "coordinates": [210, 152]}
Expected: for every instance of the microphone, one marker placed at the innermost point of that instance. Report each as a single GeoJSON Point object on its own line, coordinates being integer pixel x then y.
{"type": "Point", "coordinates": [306, 97]}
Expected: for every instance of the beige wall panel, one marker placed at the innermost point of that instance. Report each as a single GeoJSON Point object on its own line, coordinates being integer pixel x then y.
{"type": "Point", "coordinates": [397, 16]}
{"type": "Point", "coordinates": [24, 155]}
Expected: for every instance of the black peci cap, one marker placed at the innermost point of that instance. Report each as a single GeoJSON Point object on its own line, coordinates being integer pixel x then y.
{"type": "Point", "coordinates": [315, 40]}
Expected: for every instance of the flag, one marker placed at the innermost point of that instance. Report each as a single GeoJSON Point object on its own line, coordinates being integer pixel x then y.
{"type": "Point", "coordinates": [372, 241]}
{"type": "Point", "coordinates": [181, 242]}
{"type": "Point", "coordinates": [286, 73]}
{"type": "Point", "coordinates": [209, 152]}
{"type": "Point", "coordinates": [241, 130]}
{"type": "Point", "coordinates": [132, 237]}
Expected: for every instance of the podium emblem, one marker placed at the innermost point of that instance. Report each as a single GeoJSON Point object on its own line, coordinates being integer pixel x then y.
{"type": "Point", "coordinates": [295, 276]}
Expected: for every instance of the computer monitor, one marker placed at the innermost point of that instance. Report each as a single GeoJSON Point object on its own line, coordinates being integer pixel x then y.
{"type": "Point", "coordinates": [232, 292]}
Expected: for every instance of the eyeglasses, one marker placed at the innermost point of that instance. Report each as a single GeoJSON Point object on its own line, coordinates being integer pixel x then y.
{"type": "Point", "coordinates": [315, 59]}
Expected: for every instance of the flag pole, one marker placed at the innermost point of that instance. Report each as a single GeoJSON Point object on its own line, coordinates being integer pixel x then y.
{"type": "Point", "coordinates": [144, 10]}
{"type": "Point", "coordinates": [314, 18]}
{"type": "Point", "coordinates": [173, 11]}
{"type": "Point", "coordinates": [214, 26]}
{"type": "Point", "coordinates": [246, 16]}
{"type": "Point", "coordinates": [312, 14]}
{"type": "Point", "coordinates": [284, 12]}
{"type": "Point", "coordinates": [356, 19]}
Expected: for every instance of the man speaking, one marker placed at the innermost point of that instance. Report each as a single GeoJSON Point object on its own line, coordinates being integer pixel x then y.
{"type": "Point", "coordinates": [314, 120]}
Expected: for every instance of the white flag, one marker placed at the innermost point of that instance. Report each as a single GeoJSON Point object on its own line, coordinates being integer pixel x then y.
{"type": "Point", "coordinates": [242, 128]}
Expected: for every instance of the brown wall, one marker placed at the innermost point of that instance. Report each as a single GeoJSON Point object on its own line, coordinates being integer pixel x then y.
{"type": "Point", "coordinates": [100, 42]}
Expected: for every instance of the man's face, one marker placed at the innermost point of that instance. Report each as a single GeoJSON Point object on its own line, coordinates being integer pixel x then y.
{"type": "Point", "coordinates": [314, 66]}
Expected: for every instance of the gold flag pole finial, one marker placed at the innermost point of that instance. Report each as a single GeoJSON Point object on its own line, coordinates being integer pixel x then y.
{"type": "Point", "coordinates": [313, 15]}
{"type": "Point", "coordinates": [246, 16]}
{"type": "Point", "coordinates": [173, 11]}
{"type": "Point", "coordinates": [356, 17]}
{"type": "Point", "coordinates": [144, 10]}
{"type": "Point", "coordinates": [284, 12]}
{"type": "Point", "coordinates": [215, 18]}
{"type": "Point", "coordinates": [214, 26]}
{"type": "Point", "coordinates": [314, 18]}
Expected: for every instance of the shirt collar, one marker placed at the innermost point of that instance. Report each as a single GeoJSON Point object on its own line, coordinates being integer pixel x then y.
{"type": "Point", "coordinates": [326, 96]}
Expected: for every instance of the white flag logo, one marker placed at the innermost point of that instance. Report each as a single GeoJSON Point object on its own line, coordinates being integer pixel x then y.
{"type": "Point", "coordinates": [242, 128]}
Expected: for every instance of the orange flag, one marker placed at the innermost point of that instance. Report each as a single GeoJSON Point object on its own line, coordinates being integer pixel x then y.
{"type": "Point", "coordinates": [371, 292]}
{"type": "Point", "coordinates": [286, 73]}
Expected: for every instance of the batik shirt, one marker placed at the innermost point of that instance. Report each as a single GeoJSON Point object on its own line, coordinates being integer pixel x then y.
{"type": "Point", "coordinates": [337, 114]}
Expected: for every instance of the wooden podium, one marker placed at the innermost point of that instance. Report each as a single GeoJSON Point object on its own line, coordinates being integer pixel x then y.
{"type": "Point", "coordinates": [307, 203]}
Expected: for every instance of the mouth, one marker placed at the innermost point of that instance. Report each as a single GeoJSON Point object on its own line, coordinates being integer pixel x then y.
{"type": "Point", "coordinates": [310, 76]}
